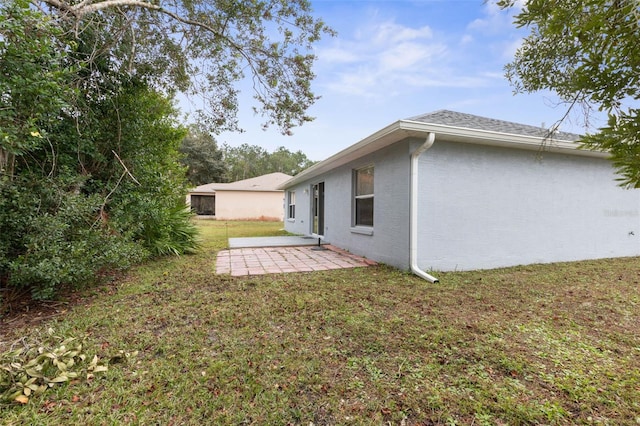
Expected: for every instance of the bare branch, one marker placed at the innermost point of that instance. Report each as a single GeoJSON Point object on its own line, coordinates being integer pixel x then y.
{"type": "Point", "coordinates": [102, 214]}
{"type": "Point", "coordinates": [125, 168]}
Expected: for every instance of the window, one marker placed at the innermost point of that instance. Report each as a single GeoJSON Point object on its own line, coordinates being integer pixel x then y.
{"type": "Point", "coordinates": [363, 198]}
{"type": "Point", "coordinates": [203, 204]}
{"type": "Point", "coordinates": [291, 205]}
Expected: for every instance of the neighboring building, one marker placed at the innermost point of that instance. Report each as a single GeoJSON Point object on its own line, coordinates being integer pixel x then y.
{"type": "Point", "coordinates": [251, 199]}
{"type": "Point", "coordinates": [450, 191]}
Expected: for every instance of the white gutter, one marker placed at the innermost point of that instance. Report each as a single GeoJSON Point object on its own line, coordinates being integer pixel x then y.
{"type": "Point", "coordinates": [413, 211]}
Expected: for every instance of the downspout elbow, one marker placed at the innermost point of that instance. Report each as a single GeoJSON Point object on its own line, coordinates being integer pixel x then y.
{"type": "Point", "coordinates": [413, 212]}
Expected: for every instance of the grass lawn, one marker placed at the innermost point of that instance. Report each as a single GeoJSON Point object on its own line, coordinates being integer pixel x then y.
{"type": "Point", "coordinates": [544, 344]}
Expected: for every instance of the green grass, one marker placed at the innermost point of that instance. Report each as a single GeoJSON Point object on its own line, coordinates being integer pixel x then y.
{"type": "Point", "coordinates": [543, 344]}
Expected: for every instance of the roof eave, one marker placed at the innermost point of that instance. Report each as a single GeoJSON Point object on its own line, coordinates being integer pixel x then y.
{"type": "Point", "coordinates": [403, 129]}
{"type": "Point", "coordinates": [202, 192]}
{"type": "Point", "coordinates": [378, 140]}
{"type": "Point", "coordinates": [247, 190]}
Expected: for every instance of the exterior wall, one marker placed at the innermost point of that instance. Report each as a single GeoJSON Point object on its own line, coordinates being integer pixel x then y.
{"type": "Point", "coordinates": [485, 207]}
{"type": "Point", "coordinates": [301, 224]}
{"type": "Point", "coordinates": [389, 241]}
{"type": "Point", "coordinates": [481, 207]}
{"type": "Point", "coordinates": [249, 205]}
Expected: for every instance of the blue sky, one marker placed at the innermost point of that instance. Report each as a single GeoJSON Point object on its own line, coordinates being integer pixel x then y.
{"type": "Point", "coordinates": [398, 59]}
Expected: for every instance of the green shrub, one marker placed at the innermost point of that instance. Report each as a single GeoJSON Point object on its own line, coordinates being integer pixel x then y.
{"type": "Point", "coordinates": [170, 232]}
{"type": "Point", "coordinates": [51, 237]}
{"type": "Point", "coordinates": [90, 179]}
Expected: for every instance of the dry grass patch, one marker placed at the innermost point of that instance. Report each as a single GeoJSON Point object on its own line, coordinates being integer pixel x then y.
{"type": "Point", "coordinates": [547, 344]}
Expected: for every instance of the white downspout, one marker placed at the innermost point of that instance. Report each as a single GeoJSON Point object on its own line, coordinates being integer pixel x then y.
{"type": "Point", "coordinates": [413, 211]}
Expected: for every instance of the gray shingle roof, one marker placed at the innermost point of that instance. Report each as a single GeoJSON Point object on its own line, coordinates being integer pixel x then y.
{"type": "Point", "coordinates": [455, 126]}
{"type": "Point", "coordinates": [268, 182]}
{"type": "Point", "coordinates": [469, 121]}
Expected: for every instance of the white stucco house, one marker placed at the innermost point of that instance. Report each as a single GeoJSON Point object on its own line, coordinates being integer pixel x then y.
{"type": "Point", "coordinates": [256, 198]}
{"type": "Point", "coordinates": [451, 191]}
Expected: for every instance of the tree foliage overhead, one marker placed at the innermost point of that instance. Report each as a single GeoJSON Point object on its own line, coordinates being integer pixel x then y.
{"type": "Point", "coordinates": [588, 52]}
{"type": "Point", "coordinates": [205, 47]}
{"type": "Point", "coordinates": [33, 84]}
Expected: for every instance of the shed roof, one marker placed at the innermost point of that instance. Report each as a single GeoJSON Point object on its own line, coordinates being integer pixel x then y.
{"type": "Point", "coordinates": [454, 127]}
{"type": "Point", "coordinates": [269, 182]}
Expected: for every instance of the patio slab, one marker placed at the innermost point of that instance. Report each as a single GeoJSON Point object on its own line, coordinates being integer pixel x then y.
{"type": "Point", "coordinates": [283, 241]}
{"type": "Point", "coordinates": [276, 260]}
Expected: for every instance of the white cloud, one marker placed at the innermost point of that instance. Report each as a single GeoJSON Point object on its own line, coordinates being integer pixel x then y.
{"type": "Point", "coordinates": [466, 39]}
{"type": "Point", "coordinates": [448, 80]}
{"type": "Point", "coordinates": [388, 58]}
{"type": "Point", "coordinates": [337, 55]}
{"type": "Point", "coordinates": [390, 32]}
{"type": "Point", "coordinates": [407, 56]}
{"type": "Point", "coordinates": [493, 75]}
{"type": "Point", "coordinates": [494, 33]}
{"type": "Point", "coordinates": [509, 49]}
{"type": "Point", "coordinates": [355, 82]}
{"type": "Point", "coordinates": [494, 19]}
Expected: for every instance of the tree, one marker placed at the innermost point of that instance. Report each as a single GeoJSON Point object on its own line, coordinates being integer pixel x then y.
{"type": "Point", "coordinates": [33, 84]}
{"type": "Point", "coordinates": [89, 178]}
{"type": "Point", "coordinates": [247, 161]}
{"type": "Point", "coordinates": [48, 237]}
{"type": "Point", "coordinates": [135, 168]}
{"type": "Point", "coordinates": [284, 161]}
{"type": "Point", "coordinates": [205, 47]}
{"type": "Point", "coordinates": [588, 52]}
{"type": "Point", "coordinates": [202, 157]}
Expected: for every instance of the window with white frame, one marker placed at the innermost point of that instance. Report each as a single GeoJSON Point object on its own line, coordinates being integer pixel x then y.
{"type": "Point", "coordinates": [363, 196]}
{"type": "Point", "coordinates": [291, 204]}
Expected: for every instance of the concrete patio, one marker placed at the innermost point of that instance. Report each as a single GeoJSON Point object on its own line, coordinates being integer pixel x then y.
{"type": "Point", "coordinates": [275, 256]}
{"type": "Point", "coordinates": [284, 241]}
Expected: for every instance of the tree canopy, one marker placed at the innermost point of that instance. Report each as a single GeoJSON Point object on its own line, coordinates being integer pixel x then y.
{"type": "Point", "coordinates": [587, 51]}
{"type": "Point", "coordinates": [207, 163]}
{"type": "Point", "coordinates": [90, 173]}
{"type": "Point", "coordinates": [205, 47]}
{"type": "Point", "coordinates": [247, 161]}
{"type": "Point", "coordinates": [202, 157]}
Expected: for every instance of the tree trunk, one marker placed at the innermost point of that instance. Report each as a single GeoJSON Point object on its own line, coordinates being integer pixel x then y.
{"type": "Point", "coordinates": [7, 162]}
